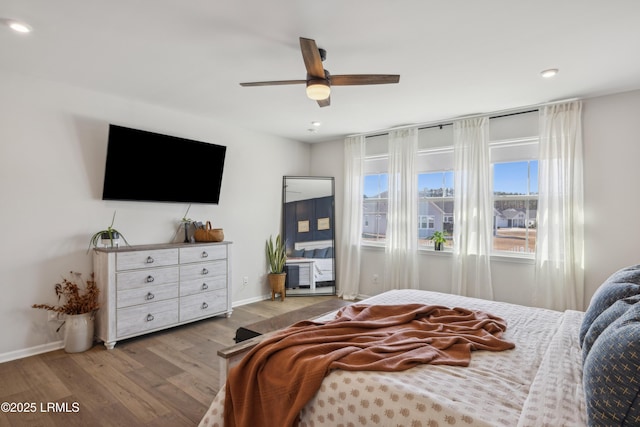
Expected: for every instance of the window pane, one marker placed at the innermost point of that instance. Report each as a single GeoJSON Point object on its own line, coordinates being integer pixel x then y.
{"type": "Point", "coordinates": [374, 224]}
{"type": "Point", "coordinates": [510, 178]}
{"type": "Point", "coordinates": [514, 221]}
{"type": "Point", "coordinates": [435, 206]}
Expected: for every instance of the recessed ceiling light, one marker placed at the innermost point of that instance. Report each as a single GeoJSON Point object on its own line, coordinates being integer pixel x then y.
{"type": "Point", "coordinates": [316, 124]}
{"type": "Point", "coordinates": [549, 73]}
{"type": "Point", "coordinates": [17, 26]}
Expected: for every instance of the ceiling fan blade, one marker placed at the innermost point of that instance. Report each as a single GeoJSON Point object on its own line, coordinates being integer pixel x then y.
{"type": "Point", "coordinates": [312, 59]}
{"type": "Point", "coordinates": [363, 79]}
{"type": "Point", "coordinates": [274, 83]}
{"type": "Point", "coordinates": [324, 102]}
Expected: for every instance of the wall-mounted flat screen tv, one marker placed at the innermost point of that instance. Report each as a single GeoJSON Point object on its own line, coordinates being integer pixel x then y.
{"type": "Point", "coordinates": [147, 166]}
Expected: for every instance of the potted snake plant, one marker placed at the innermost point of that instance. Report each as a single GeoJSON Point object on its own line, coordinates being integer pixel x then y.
{"type": "Point", "coordinates": [276, 257]}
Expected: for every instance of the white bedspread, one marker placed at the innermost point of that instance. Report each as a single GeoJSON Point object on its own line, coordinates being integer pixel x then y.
{"type": "Point", "coordinates": [536, 384]}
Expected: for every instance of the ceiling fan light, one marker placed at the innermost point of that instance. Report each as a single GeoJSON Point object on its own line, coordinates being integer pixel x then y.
{"type": "Point", "coordinates": [318, 90]}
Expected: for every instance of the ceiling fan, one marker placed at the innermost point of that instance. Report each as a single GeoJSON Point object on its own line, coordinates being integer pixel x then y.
{"type": "Point", "coordinates": [319, 81]}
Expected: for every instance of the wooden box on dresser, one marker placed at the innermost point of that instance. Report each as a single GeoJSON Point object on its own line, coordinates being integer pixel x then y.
{"type": "Point", "coordinates": [152, 287]}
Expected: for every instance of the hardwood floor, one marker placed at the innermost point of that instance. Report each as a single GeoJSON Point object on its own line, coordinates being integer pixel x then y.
{"type": "Point", "coordinates": [168, 378]}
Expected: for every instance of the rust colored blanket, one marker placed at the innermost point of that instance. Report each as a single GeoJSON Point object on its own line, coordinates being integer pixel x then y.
{"type": "Point", "coordinates": [276, 379]}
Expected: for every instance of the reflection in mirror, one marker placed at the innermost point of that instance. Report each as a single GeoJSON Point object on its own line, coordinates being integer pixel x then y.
{"type": "Point", "coordinates": [309, 233]}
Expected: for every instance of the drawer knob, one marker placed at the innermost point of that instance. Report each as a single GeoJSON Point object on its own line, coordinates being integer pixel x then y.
{"type": "Point", "coordinates": [150, 260]}
{"type": "Point", "coordinates": [149, 317]}
{"type": "Point", "coordinates": [205, 271]}
{"type": "Point", "coordinates": [150, 296]}
{"type": "Point", "coordinates": [205, 286]}
{"type": "Point", "coordinates": [204, 306]}
{"type": "Point", "coordinates": [205, 254]}
{"type": "Point", "coordinates": [150, 279]}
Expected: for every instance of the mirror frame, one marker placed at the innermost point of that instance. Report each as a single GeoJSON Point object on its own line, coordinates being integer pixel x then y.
{"type": "Point", "coordinates": [317, 225]}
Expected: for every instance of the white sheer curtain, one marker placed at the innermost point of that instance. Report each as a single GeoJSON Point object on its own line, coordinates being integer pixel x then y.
{"type": "Point", "coordinates": [473, 209]}
{"type": "Point", "coordinates": [401, 242]}
{"type": "Point", "coordinates": [349, 249]}
{"type": "Point", "coordinates": [560, 232]}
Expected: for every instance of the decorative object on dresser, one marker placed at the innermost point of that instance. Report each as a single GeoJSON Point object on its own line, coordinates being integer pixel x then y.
{"type": "Point", "coordinates": [277, 257]}
{"type": "Point", "coordinates": [208, 234]}
{"type": "Point", "coordinates": [79, 308]}
{"type": "Point", "coordinates": [184, 224]}
{"type": "Point", "coordinates": [148, 288]}
{"type": "Point", "coordinates": [109, 237]}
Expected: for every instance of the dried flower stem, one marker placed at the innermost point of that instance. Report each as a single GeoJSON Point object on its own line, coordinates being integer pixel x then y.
{"type": "Point", "coordinates": [77, 299]}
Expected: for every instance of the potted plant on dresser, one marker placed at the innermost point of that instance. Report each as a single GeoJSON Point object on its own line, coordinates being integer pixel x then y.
{"type": "Point", "coordinates": [109, 237]}
{"type": "Point", "coordinates": [277, 257]}
{"type": "Point", "coordinates": [79, 303]}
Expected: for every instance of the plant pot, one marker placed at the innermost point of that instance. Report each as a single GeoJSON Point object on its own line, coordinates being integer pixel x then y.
{"type": "Point", "coordinates": [113, 241]}
{"type": "Point", "coordinates": [78, 332]}
{"type": "Point", "coordinates": [276, 281]}
{"type": "Point", "coordinates": [437, 246]}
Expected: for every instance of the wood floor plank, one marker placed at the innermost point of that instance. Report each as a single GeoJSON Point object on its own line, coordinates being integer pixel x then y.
{"type": "Point", "coordinates": [134, 397]}
{"type": "Point", "coordinates": [37, 374]}
{"type": "Point", "coordinates": [174, 397]}
{"type": "Point", "coordinates": [201, 389]}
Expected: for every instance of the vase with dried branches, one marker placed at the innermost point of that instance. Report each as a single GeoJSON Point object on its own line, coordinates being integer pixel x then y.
{"type": "Point", "coordinates": [78, 302]}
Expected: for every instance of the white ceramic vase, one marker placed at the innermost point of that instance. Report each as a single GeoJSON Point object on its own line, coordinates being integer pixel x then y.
{"type": "Point", "coordinates": [78, 332]}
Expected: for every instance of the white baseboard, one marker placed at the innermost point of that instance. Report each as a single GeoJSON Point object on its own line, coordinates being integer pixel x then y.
{"type": "Point", "coordinates": [250, 300]}
{"type": "Point", "coordinates": [32, 351]}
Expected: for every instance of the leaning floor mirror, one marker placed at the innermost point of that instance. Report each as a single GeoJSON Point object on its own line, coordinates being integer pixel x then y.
{"type": "Point", "coordinates": [309, 233]}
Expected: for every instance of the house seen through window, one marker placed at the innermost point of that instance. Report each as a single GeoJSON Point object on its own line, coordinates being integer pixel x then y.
{"type": "Point", "coordinates": [374, 209]}
{"type": "Point", "coordinates": [435, 206]}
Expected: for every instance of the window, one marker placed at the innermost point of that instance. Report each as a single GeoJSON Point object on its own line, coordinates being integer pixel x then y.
{"type": "Point", "coordinates": [514, 164]}
{"type": "Point", "coordinates": [374, 209]}
{"type": "Point", "coordinates": [515, 193]}
{"type": "Point", "coordinates": [435, 206]}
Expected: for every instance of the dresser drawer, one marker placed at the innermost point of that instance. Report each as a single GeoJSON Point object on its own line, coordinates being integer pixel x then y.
{"type": "Point", "coordinates": [146, 295]}
{"type": "Point", "coordinates": [141, 318]}
{"type": "Point", "coordinates": [143, 278]}
{"type": "Point", "coordinates": [145, 259]}
{"type": "Point", "coordinates": [203, 305]}
{"type": "Point", "coordinates": [203, 270]}
{"type": "Point", "coordinates": [191, 287]}
{"type": "Point", "coordinates": [203, 253]}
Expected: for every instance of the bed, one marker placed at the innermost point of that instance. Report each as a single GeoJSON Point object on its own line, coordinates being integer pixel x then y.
{"type": "Point", "coordinates": [538, 383]}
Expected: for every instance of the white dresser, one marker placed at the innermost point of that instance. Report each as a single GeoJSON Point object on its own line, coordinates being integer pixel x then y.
{"type": "Point", "coordinates": [152, 287]}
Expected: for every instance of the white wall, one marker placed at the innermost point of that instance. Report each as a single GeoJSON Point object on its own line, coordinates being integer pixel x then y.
{"type": "Point", "coordinates": [52, 155]}
{"type": "Point", "coordinates": [611, 133]}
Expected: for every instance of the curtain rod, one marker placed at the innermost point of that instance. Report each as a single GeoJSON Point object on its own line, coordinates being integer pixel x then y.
{"type": "Point", "coordinates": [449, 122]}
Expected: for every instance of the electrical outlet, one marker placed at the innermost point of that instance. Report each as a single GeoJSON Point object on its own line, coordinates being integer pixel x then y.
{"type": "Point", "coordinates": [375, 279]}
{"type": "Point", "coordinates": [245, 281]}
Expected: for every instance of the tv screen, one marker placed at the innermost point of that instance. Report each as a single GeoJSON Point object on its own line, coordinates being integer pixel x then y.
{"type": "Point", "coordinates": [148, 166]}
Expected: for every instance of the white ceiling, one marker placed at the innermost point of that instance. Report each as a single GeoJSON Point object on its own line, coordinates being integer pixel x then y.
{"type": "Point", "coordinates": [455, 57]}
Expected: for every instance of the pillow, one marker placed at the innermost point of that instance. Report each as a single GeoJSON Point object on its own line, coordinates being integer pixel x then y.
{"type": "Point", "coordinates": [622, 284]}
{"type": "Point", "coordinates": [309, 253]}
{"type": "Point", "coordinates": [611, 373]}
{"type": "Point", "coordinates": [298, 253]}
{"type": "Point", "coordinates": [320, 253]}
{"type": "Point", "coordinates": [329, 252]}
{"type": "Point", "coordinates": [610, 315]}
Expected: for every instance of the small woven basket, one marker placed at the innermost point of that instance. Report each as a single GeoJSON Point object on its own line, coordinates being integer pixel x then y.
{"type": "Point", "coordinates": [209, 234]}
